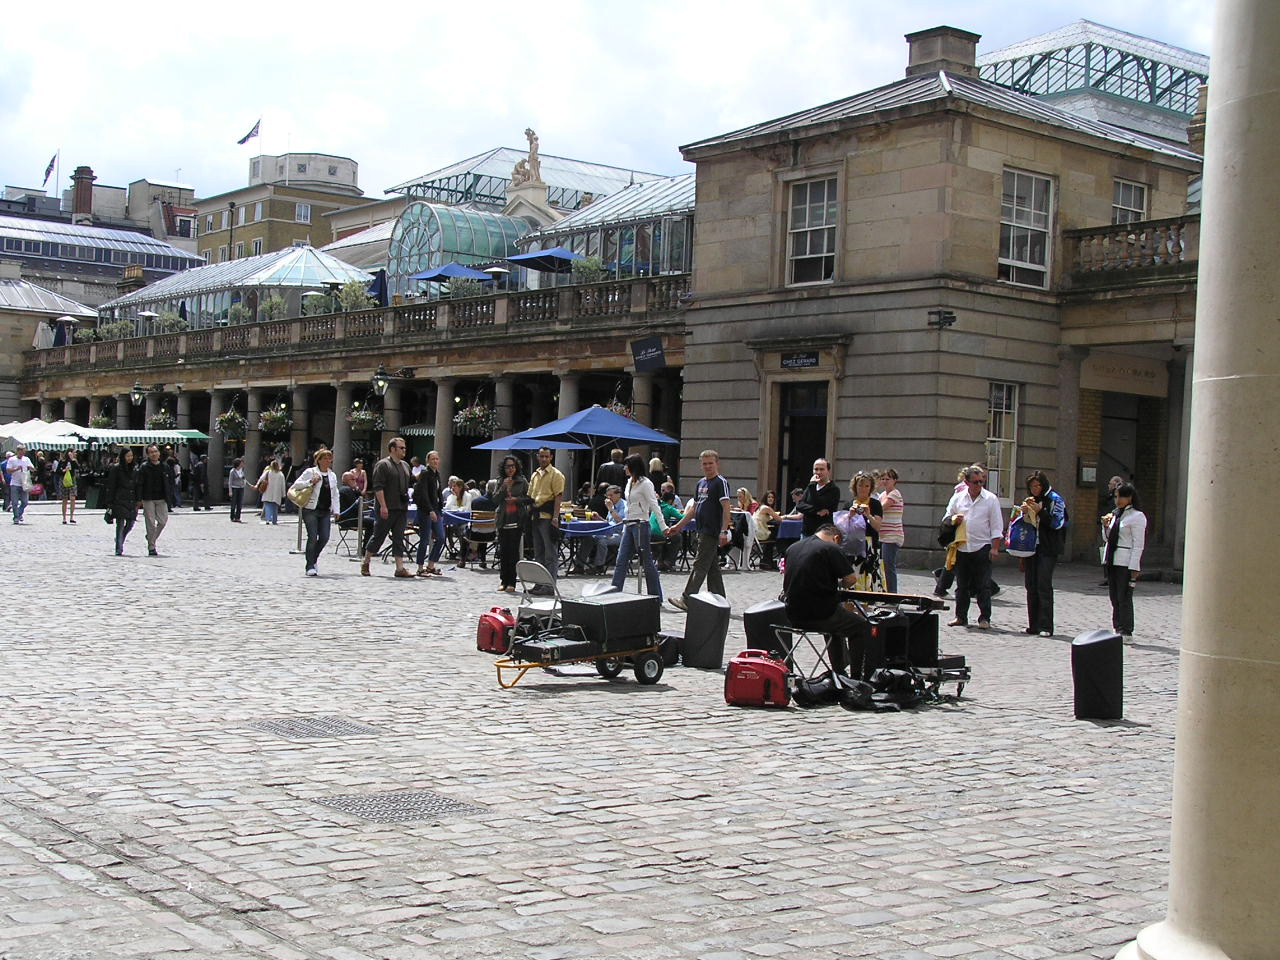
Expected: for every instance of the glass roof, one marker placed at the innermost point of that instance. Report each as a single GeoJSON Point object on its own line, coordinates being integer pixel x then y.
{"type": "Point", "coordinates": [22, 295]}
{"type": "Point", "coordinates": [643, 201]}
{"type": "Point", "coordinates": [1086, 31]}
{"type": "Point", "coordinates": [557, 172]}
{"type": "Point", "coordinates": [430, 235]}
{"type": "Point", "coordinates": [291, 267]}
{"type": "Point", "coordinates": [53, 231]}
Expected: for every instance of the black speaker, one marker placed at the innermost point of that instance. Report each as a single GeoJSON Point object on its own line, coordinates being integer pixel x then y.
{"type": "Point", "coordinates": [760, 619]}
{"type": "Point", "coordinates": [614, 616]}
{"type": "Point", "coordinates": [706, 625]}
{"type": "Point", "coordinates": [1097, 671]}
{"type": "Point", "coordinates": [912, 638]}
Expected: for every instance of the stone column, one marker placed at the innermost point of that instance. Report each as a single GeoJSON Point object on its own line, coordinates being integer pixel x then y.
{"type": "Point", "coordinates": [46, 409]}
{"type": "Point", "coordinates": [568, 405]}
{"type": "Point", "coordinates": [444, 421]}
{"type": "Point", "coordinates": [342, 430]}
{"type": "Point", "coordinates": [182, 412]}
{"type": "Point", "coordinates": [298, 435]}
{"type": "Point", "coordinates": [69, 409]}
{"type": "Point", "coordinates": [1064, 471]}
{"type": "Point", "coordinates": [96, 405]}
{"type": "Point", "coordinates": [252, 443]}
{"type": "Point", "coordinates": [217, 400]}
{"type": "Point", "coordinates": [152, 406]}
{"type": "Point", "coordinates": [391, 416]}
{"type": "Point", "coordinates": [124, 403]}
{"type": "Point", "coordinates": [1226, 801]}
{"type": "Point", "coordinates": [1173, 510]}
{"type": "Point", "coordinates": [503, 397]}
{"type": "Point", "coordinates": [642, 407]}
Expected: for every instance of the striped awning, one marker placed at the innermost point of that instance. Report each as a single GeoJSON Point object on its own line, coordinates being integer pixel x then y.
{"type": "Point", "coordinates": [418, 430]}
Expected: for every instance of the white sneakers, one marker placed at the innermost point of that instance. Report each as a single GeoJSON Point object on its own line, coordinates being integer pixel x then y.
{"type": "Point", "coordinates": [311, 572]}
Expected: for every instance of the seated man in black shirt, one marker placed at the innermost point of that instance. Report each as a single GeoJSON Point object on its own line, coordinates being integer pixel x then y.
{"type": "Point", "coordinates": [816, 569]}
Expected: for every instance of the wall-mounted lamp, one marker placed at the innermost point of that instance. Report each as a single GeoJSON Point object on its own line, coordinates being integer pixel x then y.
{"type": "Point", "coordinates": [139, 392]}
{"type": "Point", "coordinates": [382, 380]}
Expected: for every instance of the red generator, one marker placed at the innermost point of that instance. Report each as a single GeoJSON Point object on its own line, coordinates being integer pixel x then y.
{"type": "Point", "coordinates": [495, 631]}
{"type": "Point", "coordinates": [756, 679]}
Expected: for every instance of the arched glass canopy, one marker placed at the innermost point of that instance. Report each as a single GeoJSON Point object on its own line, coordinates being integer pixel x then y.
{"type": "Point", "coordinates": [429, 235]}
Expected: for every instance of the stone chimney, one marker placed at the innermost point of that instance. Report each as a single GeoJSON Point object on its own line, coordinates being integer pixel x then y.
{"type": "Point", "coordinates": [82, 195]}
{"type": "Point", "coordinates": [943, 48]}
{"type": "Point", "coordinates": [10, 270]}
{"type": "Point", "coordinates": [1195, 128]}
{"type": "Point", "coordinates": [131, 279]}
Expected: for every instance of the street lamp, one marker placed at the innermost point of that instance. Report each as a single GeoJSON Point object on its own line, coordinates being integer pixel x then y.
{"type": "Point", "coordinates": [382, 380]}
{"type": "Point", "coordinates": [139, 392]}
{"type": "Point", "coordinates": [231, 226]}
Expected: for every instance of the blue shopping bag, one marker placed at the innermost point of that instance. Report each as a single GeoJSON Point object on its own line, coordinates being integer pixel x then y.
{"type": "Point", "coordinates": [1021, 541]}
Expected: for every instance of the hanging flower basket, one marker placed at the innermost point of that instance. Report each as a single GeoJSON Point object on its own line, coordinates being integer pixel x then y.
{"type": "Point", "coordinates": [163, 420]}
{"type": "Point", "coordinates": [231, 425]}
{"type": "Point", "coordinates": [101, 422]}
{"type": "Point", "coordinates": [476, 420]}
{"type": "Point", "coordinates": [621, 409]}
{"type": "Point", "coordinates": [363, 420]}
{"type": "Point", "coordinates": [273, 423]}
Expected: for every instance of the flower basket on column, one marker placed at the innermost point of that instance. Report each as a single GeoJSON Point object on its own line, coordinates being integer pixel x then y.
{"type": "Point", "coordinates": [162, 420]}
{"type": "Point", "coordinates": [275, 422]}
{"type": "Point", "coordinates": [363, 420]}
{"type": "Point", "coordinates": [232, 424]}
{"type": "Point", "coordinates": [476, 420]}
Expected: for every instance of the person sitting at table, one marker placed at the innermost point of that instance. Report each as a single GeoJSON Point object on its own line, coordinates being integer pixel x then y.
{"type": "Point", "coordinates": [766, 520]}
{"type": "Point", "coordinates": [593, 552]}
{"type": "Point", "coordinates": [665, 550]}
{"type": "Point", "coordinates": [783, 544]}
{"type": "Point", "coordinates": [817, 569]}
{"type": "Point", "coordinates": [675, 497]}
{"type": "Point", "coordinates": [459, 500]}
{"type": "Point", "coordinates": [746, 503]}
{"type": "Point", "coordinates": [482, 502]}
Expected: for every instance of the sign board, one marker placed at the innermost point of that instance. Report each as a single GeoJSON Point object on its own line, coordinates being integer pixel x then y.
{"type": "Point", "coordinates": [1124, 373]}
{"type": "Point", "coordinates": [799, 361]}
{"type": "Point", "coordinates": [648, 354]}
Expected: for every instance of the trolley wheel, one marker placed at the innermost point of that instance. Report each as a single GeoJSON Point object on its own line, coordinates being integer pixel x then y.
{"type": "Point", "coordinates": [608, 667]}
{"type": "Point", "coordinates": [648, 667]}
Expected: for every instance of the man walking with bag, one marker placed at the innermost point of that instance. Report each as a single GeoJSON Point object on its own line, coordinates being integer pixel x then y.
{"type": "Point", "coordinates": [155, 496]}
{"type": "Point", "coordinates": [713, 513]}
{"type": "Point", "coordinates": [390, 485]}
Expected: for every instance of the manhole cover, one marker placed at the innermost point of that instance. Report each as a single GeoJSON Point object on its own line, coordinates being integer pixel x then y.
{"type": "Point", "coordinates": [394, 807]}
{"type": "Point", "coordinates": [314, 727]}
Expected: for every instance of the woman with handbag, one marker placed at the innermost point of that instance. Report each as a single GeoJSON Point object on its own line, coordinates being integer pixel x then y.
{"type": "Point", "coordinates": [67, 480]}
{"type": "Point", "coordinates": [642, 503]}
{"type": "Point", "coordinates": [512, 502]}
{"type": "Point", "coordinates": [316, 494]}
{"type": "Point", "coordinates": [1125, 530]}
{"type": "Point", "coordinates": [271, 485]}
{"type": "Point", "coordinates": [1048, 512]}
{"type": "Point", "coordinates": [121, 497]}
{"type": "Point", "coordinates": [235, 486]}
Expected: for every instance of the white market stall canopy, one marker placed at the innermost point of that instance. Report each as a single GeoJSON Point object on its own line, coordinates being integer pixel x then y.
{"type": "Point", "coordinates": [62, 435]}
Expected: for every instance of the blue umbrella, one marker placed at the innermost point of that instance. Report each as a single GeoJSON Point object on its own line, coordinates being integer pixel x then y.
{"type": "Point", "coordinates": [450, 271]}
{"type": "Point", "coordinates": [586, 425]}
{"type": "Point", "coordinates": [517, 442]}
{"type": "Point", "coordinates": [378, 287]}
{"type": "Point", "coordinates": [554, 260]}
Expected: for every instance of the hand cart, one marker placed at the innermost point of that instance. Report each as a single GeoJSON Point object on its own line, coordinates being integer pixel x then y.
{"type": "Point", "coordinates": [569, 644]}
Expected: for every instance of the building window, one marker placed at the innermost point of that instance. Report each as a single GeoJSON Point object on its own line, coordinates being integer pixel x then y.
{"type": "Point", "coordinates": [222, 253]}
{"type": "Point", "coordinates": [1024, 228]}
{"type": "Point", "coordinates": [333, 169]}
{"type": "Point", "coordinates": [241, 214]}
{"type": "Point", "coordinates": [208, 223]}
{"type": "Point", "coordinates": [257, 246]}
{"type": "Point", "coordinates": [226, 219]}
{"type": "Point", "coordinates": [302, 243]}
{"type": "Point", "coordinates": [205, 254]}
{"type": "Point", "coordinates": [302, 168]}
{"type": "Point", "coordinates": [239, 249]}
{"type": "Point", "coordinates": [302, 212]}
{"type": "Point", "coordinates": [811, 232]}
{"type": "Point", "coordinates": [255, 168]}
{"type": "Point", "coordinates": [1129, 202]}
{"type": "Point", "coordinates": [185, 227]}
{"type": "Point", "coordinates": [257, 211]}
{"type": "Point", "coordinates": [1002, 439]}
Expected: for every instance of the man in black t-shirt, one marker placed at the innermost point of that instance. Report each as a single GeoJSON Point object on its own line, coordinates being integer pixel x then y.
{"type": "Point", "coordinates": [816, 570]}
{"type": "Point", "coordinates": [821, 498]}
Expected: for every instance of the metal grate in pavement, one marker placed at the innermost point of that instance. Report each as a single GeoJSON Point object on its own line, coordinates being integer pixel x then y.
{"type": "Point", "coordinates": [314, 727]}
{"type": "Point", "coordinates": [401, 805]}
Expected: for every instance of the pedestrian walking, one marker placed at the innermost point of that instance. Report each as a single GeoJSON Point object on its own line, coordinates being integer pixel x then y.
{"type": "Point", "coordinates": [155, 496]}
{"type": "Point", "coordinates": [391, 489]}
{"type": "Point", "coordinates": [200, 483]}
{"type": "Point", "coordinates": [19, 469]}
{"type": "Point", "coordinates": [321, 510]}
{"type": "Point", "coordinates": [546, 491]}
{"type": "Point", "coordinates": [235, 487]}
{"type": "Point", "coordinates": [121, 496]}
{"type": "Point", "coordinates": [892, 531]}
{"type": "Point", "coordinates": [272, 486]}
{"type": "Point", "coordinates": [1044, 508]}
{"type": "Point", "coordinates": [975, 513]}
{"type": "Point", "coordinates": [67, 481]}
{"type": "Point", "coordinates": [642, 503]}
{"type": "Point", "coordinates": [176, 469]}
{"type": "Point", "coordinates": [428, 494]}
{"type": "Point", "coordinates": [711, 510]}
{"type": "Point", "coordinates": [511, 502]}
{"type": "Point", "coordinates": [1125, 530]}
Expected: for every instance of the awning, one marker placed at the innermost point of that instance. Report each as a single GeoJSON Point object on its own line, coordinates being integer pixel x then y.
{"type": "Point", "coordinates": [450, 271]}
{"type": "Point", "coordinates": [555, 260]}
{"type": "Point", "coordinates": [418, 430]}
{"type": "Point", "coordinates": [133, 438]}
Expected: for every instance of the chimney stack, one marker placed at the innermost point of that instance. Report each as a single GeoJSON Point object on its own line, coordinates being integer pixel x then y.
{"type": "Point", "coordinates": [943, 48]}
{"type": "Point", "coordinates": [1195, 129]}
{"type": "Point", "coordinates": [82, 195]}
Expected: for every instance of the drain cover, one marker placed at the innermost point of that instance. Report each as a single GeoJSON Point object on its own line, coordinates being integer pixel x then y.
{"type": "Point", "coordinates": [314, 727]}
{"type": "Point", "coordinates": [394, 807]}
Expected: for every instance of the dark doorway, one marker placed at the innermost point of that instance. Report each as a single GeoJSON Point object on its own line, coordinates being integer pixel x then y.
{"type": "Point", "coordinates": [803, 438]}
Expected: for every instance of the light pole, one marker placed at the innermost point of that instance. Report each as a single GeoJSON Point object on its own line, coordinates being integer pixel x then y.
{"type": "Point", "coordinates": [231, 227]}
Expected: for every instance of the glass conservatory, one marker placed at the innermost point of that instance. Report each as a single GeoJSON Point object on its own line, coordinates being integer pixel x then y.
{"type": "Point", "coordinates": [428, 235]}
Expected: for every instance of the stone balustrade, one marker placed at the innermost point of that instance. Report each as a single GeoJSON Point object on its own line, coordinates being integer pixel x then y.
{"type": "Point", "coordinates": [424, 321]}
{"type": "Point", "coordinates": [1127, 252]}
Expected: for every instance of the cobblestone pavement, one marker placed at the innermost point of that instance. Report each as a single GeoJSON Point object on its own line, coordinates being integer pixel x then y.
{"type": "Point", "coordinates": [145, 813]}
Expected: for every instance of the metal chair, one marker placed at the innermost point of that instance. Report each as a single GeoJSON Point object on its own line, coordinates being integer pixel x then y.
{"type": "Point", "coordinates": [481, 532]}
{"type": "Point", "coordinates": [543, 610]}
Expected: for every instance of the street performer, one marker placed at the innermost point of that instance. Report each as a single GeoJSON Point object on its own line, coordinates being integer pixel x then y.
{"type": "Point", "coordinates": [816, 571]}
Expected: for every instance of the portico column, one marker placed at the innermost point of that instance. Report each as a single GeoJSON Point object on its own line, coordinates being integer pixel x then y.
{"type": "Point", "coordinates": [503, 395]}
{"type": "Point", "coordinates": [1226, 777]}
{"type": "Point", "coordinates": [124, 403]}
{"type": "Point", "coordinates": [216, 400]}
{"type": "Point", "coordinates": [391, 419]}
{"type": "Point", "coordinates": [46, 409]}
{"type": "Point", "coordinates": [252, 443]}
{"type": "Point", "coordinates": [569, 404]}
{"type": "Point", "coordinates": [96, 405]}
{"type": "Point", "coordinates": [69, 409]}
{"type": "Point", "coordinates": [298, 435]}
{"type": "Point", "coordinates": [444, 421]}
{"type": "Point", "coordinates": [182, 412]}
{"type": "Point", "coordinates": [342, 430]}
{"type": "Point", "coordinates": [642, 407]}
{"type": "Point", "coordinates": [153, 405]}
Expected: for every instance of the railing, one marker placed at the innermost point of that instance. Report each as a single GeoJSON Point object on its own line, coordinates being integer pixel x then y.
{"type": "Point", "coordinates": [477, 316]}
{"type": "Point", "coordinates": [1127, 251]}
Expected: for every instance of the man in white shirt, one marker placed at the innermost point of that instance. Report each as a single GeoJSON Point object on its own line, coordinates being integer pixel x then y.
{"type": "Point", "coordinates": [17, 471]}
{"type": "Point", "coordinates": [983, 531]}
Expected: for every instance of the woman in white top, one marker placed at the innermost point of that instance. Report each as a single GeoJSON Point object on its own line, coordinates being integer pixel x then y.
{"type": "Point", "coordinates": [1125, 531]}
{"type": "Point", "coordinates": [642, 502]}
{"type": "Point", "coordinates": [458, 500]}
{"type": "Point", "coordinates": [272, 492]}
{"type": "Point", "coordinates": [319, 512]}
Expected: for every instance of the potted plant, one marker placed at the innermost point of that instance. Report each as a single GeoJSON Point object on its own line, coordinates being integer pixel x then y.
{"type": "Point", "coordinates": [231, 425]}
{"type": "Point", "coordinates": [589, 270]}
{"type": "Point", "coordinates": [476, 420]}
{"type": "Point", "coordinates": [620, 408]}
{"type": "Point", "coordinates": [162, 420]}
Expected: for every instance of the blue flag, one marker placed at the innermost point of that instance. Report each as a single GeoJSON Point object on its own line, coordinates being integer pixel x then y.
{"type": "Point", "coordinates": [251, 134]}
{"type": "Point", "coordinates": [49, 169]}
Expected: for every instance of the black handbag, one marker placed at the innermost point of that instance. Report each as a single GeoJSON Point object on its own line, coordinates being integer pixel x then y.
{"type": "Point", "coordinates": [946, 532]}
{"type": "Point", "coordinates": [108, 516]}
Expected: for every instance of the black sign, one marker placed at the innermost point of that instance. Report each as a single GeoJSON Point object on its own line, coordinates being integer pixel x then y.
{"type": "Point", "coordinates": [647, 354]}
{"type": "Point", "coordinates": [798, 361]}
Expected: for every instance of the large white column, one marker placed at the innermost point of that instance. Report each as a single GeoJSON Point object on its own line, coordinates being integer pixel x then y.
{"type": "Point", "coordinates": [69, 409]}
{"type": "Point", "coordinates": [568, 405]}
{"type": "Point", "coordinates": [642, 408]}
{"type": "Point", "coordinates": [217, 407]}
{"type": "Point", "coordinates": [444, 420]}
{"type": "Point", "coordinates": [252, 444]}
{"type": "Point", "coordinates": [152, 407]}
{"type": "Point", "coordinates": [298, 435]}
{"type": "Point", "coordinates": [182, 413]}
{"type": "Point", "coordinates": [392, 420]}
{"type": "Point", "coordinates": [46, 410]}
{"type": "Point", "coordinates": [342, 430]}
{"type": "Point", "coordinates": [124, 403]}
{"type": "Point", "coordinates": [1226, 792]}
{"type": "Point", "coordinates": [1068, 422]}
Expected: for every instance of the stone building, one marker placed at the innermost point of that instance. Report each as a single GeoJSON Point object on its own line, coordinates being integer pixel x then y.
{"type": "Point", "coordinates": [938, 271]}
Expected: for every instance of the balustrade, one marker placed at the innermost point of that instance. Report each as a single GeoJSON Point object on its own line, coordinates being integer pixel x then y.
{"type": "Point", "coordinates": [418, 318]}
{"type": "Point", "coordinates": [135, 348]}
{"type": "Point", "coordinates": [81, 353]}
{"type": "Point", "coordinates": [166, 346]}
{"type": "Point", "coordinates": [537, 306]}
{"type": "Point", "coordinates": [366, 323]}
{"type": "Point", "coordinates": [602, 299]}
{"type": "Point", "coordinates": [274, 333]}
{"type": "Point", "coordinates": [318, 329]}
{"type": "Point", "coordinates": [235, 337]}
{"type": "Point", "coordinates": [477, 312]}
{"type": "Point", "coordinates": [1097, 252]}
{"type": "Point", "coordinates": [199, 342]}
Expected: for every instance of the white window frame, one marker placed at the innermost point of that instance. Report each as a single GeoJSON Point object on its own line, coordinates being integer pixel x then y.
{"type": "Point", "coordinates": [226, 219]}
{"type": "Point", "coordinates": [829, 214]}
{"type": "Point", "coordinates": [222, 253]}
{"type": "Point", "coordinates": [208, 223]}
{"type": "Point", "coordinates": [257, 211]}
{"type": "Point", "coordinates": [241, 214]}
{"type": "Point", "coordinates": [239, 249]}
{"type": "Point", "coordinates": [208, 255]}
{"type": "Point", "coordinates": [1026, 222]}
{"type": "Point", "coordinates": [1128, 201]}
{"type": "Point", "coordinates": [302, 213]}
{"type": "Point", "coordinates": [257, 246]}
{"type": "Point", "coordinates": [1002, 439]}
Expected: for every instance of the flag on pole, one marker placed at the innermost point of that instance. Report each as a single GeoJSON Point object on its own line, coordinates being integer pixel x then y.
{"type": "Point", "coordinates": [49, 169]}
{"type": "Point", "coordinates": [251, 134]}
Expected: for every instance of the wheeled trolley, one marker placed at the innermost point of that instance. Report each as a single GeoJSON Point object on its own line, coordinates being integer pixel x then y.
{"type": "Point", "coordinates": [570, 644]}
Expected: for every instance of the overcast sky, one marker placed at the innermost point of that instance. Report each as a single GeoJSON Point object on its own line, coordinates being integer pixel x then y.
{"type": "Point", "coordinates": [143, 89]}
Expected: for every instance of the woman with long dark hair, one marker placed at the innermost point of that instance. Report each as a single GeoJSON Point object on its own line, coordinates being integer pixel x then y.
{"type": "Point", "coordinates": [1125, 530]}
{"type": "Point", "coordinates": [642, 503]}
{"type": "Point", "coordinates": [1048, 511]}
{"type": "Point", "coordinates": [122, 496]}
{"type": "Point", "coordinates": [512, 506]}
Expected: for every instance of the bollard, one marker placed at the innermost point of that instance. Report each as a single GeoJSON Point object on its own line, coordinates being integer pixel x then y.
{"type": "Point", "coordinates": [1097, 672]}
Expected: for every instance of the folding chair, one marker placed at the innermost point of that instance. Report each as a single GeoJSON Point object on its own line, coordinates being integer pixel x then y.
{"type": "Point", "coordinates": [349, 522]}
{"type": "Point", "coordinates": [542, 610]}
{"type": "Point", "coordinates": [481, 532]}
